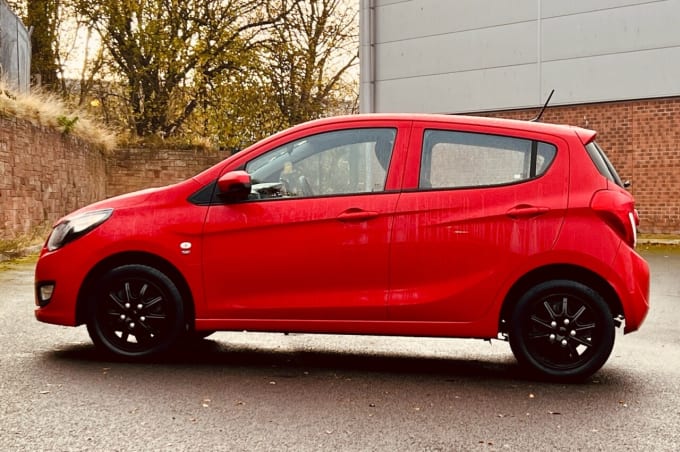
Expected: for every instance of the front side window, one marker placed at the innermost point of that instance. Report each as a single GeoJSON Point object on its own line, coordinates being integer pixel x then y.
{"type": "Point", "coordinates": [462, 159]}
{"type": "Point", "coordinates": [331, 163]}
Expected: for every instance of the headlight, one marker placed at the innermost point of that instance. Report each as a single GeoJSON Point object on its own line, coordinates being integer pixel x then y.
{"type": "Point", "coordinates": [71, 229]}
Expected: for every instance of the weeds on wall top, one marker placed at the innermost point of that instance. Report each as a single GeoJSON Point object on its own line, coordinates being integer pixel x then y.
{"type": "Point", "coordinates": [44, 110]}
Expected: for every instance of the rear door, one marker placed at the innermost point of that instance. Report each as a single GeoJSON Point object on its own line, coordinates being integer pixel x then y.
{"type": "Point", "coordinates": [477, 202]}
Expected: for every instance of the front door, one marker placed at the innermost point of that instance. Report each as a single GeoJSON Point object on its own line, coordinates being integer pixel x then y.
{"type": "Point", "coordinates": [313, 241]}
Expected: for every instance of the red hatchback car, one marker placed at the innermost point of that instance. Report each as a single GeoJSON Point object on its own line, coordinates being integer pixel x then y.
{"type": "Point", "coordinates": [416, 225]}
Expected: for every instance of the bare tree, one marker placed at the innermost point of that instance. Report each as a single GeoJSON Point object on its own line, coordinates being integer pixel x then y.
{"type": "Point", "coordinates": [308, 56]}
{"type": "Point", "coordinates": [168, 52]}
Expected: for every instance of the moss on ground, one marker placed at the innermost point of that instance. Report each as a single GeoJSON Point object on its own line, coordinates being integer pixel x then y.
{"type": "Point", "coordinates": [13, 263]}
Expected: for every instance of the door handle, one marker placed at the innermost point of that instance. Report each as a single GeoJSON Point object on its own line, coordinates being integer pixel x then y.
{"type": "Point", "coordinates": [357, 215]}
{"type": "Point", "coordinates": [526, 211]}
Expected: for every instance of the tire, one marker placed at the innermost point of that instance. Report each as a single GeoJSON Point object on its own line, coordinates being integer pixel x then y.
{"type": "Point", "coordinates": [563, 330]}
{"type": "Point", "coordinates": [135, 311]}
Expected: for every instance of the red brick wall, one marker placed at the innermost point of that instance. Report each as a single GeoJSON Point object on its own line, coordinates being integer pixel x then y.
{"type": "Point", "coordinates": [642, 139]}
{"type": "Point", "coordinates": [43, 175]}
{"type": "Point", "coordinates": [134, 169]}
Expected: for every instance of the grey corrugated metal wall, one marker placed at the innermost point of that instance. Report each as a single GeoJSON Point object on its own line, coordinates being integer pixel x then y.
{"type": "Point", "coordinates": [15, 50]}
{"type": "Point", "coordinates": [480, 55]}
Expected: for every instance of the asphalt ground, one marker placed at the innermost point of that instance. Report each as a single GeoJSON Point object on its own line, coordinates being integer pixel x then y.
{"type": "Point", "coordinates": [252, 391]}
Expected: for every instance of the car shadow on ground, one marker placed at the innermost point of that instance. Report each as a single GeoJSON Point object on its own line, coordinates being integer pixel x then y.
{"type": "Point", "coordinates": [257, 359]}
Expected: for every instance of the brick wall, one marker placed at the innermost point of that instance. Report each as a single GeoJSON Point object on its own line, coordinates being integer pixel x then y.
{"type": "Point", "coordinates": [134, 169]}
{"type": "Point", "coordinates": [642, 139]}
{"type": "Point", "coordinates": [43, 175]}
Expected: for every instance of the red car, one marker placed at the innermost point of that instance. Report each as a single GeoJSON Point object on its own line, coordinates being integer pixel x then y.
{"type": "Point", "coordinates": [418, 225]}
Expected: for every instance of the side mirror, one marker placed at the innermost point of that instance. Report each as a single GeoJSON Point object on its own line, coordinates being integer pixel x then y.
{"type": "Point", "coordinates": [234, 186]}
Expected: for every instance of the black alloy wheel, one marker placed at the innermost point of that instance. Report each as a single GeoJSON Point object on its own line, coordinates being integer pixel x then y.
{"type": "Point", "coordinates": [563, 330]}
{"type": "Point", "coordinates": [135, 311]}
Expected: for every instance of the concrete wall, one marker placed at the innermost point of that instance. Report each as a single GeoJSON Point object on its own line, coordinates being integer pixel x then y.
{"type": "Point", "coordinates": [473, 55]}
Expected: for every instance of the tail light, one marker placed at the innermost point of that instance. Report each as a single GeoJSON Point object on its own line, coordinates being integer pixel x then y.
{"type": "Point", "coordinates": [617, 209]}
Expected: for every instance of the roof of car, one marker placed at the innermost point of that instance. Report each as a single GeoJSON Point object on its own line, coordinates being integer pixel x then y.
{"type": "Point", "coordinates": [459, 119]}
{"type": "Point", "coordinates": [585, 135]}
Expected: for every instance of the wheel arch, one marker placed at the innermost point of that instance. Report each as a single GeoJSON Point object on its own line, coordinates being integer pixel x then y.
{"type": "Point", "coordinates": [140, 258]}
{"type": "Point", "coordinates": [558, 271]}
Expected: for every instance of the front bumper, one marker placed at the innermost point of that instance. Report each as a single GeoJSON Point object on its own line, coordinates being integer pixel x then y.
{"type": "Point", "coordinates": [64, 269]}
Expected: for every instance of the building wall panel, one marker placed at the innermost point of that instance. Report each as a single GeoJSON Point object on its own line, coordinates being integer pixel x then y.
{"type": "Point", "coordinates": [482, 89]}
{"type": "Point", "coordinates": [552, 8]}
{"type": "Point", "coordinates": [506, 45]}
{"type": "Point", "coordinates": [413, 19]}
{"type": "Point", "coordinates": [634, 75]}
{"type": "Point", "coordinates": [609, 32]}
{"type": "Point", "coordinates": [471, 55]}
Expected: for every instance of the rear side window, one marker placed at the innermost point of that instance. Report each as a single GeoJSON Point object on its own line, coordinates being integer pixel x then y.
{"type": "Point", "coordinates": [463, 159]}
{"type": "Point", "coordinates": [604, 166]}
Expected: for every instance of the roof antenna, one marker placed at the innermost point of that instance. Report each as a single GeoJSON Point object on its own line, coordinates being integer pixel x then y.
{"type": "Point", "coordinates": [538, 117]}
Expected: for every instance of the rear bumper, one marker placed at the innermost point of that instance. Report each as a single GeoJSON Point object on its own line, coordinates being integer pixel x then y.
{"type": "Point", "coordinates": [634, 271]}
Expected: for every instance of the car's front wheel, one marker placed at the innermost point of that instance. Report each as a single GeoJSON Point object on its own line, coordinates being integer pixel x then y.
{"type": "Point", "coordinates": [562, 329]}
{"type": "Point", "coordinates": [135, 311]}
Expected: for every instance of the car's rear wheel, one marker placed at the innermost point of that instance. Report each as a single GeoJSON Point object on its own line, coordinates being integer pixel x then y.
{"type": "Point", "coordinates": [135, 311]}
{"type": "Point", "coordinates": [563, 330]}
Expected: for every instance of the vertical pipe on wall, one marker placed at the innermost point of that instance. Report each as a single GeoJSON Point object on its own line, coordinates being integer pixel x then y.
{"type": "Point", "coordinates": [539, 56]}
{"type": "Point", "coordinates": [367, 56]}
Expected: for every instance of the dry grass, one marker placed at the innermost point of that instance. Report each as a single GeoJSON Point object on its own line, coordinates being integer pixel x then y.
{"type": "Point", "coordinates": [22, 244]}
{"type": "Point", "coordinates": [44, 110]}
{"type": "Point", "coordinates": [17, 249]}
{"type": "Point", "coordinates": [11, 264]}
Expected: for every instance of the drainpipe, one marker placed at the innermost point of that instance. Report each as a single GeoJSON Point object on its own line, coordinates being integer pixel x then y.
{"type": "Point", "coordinates": [539, 58]}
{"type": "Point", "coordinates": [367, 56]}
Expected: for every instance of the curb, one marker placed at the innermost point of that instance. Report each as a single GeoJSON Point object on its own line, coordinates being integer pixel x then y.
{"type": "Point", "coordinates": [659, 241]}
